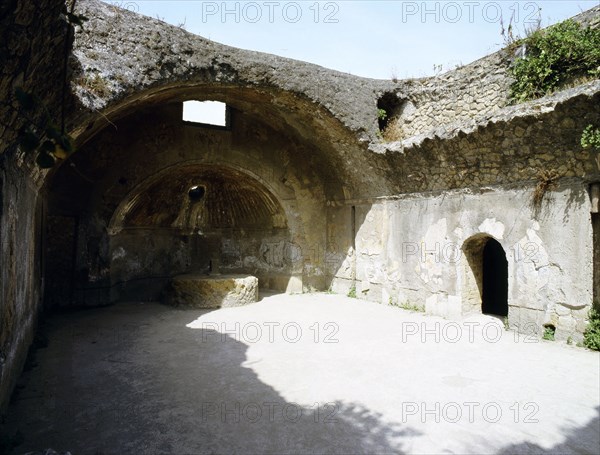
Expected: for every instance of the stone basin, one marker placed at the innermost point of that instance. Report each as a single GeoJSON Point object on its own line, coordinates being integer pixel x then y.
{"type": "Point", "coordinates": [197, 290]}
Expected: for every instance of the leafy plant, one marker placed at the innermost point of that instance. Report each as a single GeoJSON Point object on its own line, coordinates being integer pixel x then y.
{"type": "Point", "coordinates": [352, 292]}
{"type": "Point", "coordinates": [412, 307]}
{"type": "Point", "coordinates": [591, 336]}
{"type": "Point", "coordinates": [549, 333]}
{"type": "Point", "coordinates": [590, 137]}
{"type": "Point", "coordinates": [510, 33]}
{"type": "Point", "coordinates": [388, 131]}
{"type": "Point", "coordinates": [507, 32]}
{"type": "Point", "coordinates": [563, 53]}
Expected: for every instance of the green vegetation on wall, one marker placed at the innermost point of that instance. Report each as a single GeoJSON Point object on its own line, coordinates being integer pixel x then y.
{"type": "Point", "coordinates": [590, 138]}
{"type": "Point", "coordinates": [591, 337]}
{"type": "Point", "coordinates": [563, 54]}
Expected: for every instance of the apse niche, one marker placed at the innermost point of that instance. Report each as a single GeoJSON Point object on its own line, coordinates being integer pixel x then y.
{"type": "Point", "coordinates": [193, 219]}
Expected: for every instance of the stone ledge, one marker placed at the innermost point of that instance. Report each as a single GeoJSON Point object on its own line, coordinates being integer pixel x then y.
{"type": "Point", "coordinates": [197, 290]}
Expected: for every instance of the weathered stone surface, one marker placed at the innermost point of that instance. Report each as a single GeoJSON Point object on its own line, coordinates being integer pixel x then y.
{"type": "Point", "coordinates": [32, 43]}
{"type": "Point", "coordinates": [426, 263]}
{"type": "Point", "coordinates": [335, 207]}
{"type": "Point", "coordinates": [336, 99]}
{"type": "Point", "coordinates": [212, 291]}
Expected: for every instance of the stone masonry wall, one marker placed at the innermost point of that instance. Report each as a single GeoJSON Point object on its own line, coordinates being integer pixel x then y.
{"type": "Point", "coordinates": [425, 264]}
{"type": "Point", "coordinates": [457, 133]}
{"type": "Point", "coordinates": [458, 97]}
{"type": "Point", "coordinates": [496, 169]}
{"type": "Point", "coordinates": [32, 50]}
{"type": "Point", "coordinates": [518, 144]}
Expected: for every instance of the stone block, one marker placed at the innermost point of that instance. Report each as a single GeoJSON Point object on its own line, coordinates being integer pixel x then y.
{"type": "Point", "coordinates": [449, 307]}
{"type": "Point", "coordinates": [294, 285]}
{"type": "Point", "coordinates": [212, 291]}
{"type": "Point", "coordinates": [525, 320]}
{"type": "Point", "coordinates": [341, 285]}
{"type": "Point", "coordinates": [562, 310]}
{"type": "Point", "coordinates": [567, 325]}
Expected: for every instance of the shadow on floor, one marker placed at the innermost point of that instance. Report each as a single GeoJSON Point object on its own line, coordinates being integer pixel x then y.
{"type": "Point", "coordinates": [134, 379]}
{"type": "Point", "coordinates": [138, 379]}
{"type": "Point", "coordinates": [574, 438]}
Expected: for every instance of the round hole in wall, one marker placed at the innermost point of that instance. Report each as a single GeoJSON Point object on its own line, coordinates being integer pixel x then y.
{"type": "Point", "coordinates": [196, 192]}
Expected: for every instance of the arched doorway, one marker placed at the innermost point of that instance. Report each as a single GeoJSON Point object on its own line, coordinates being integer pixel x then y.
{"type": "Point", "coordinates": [494, 298]}
{"type": "Point", "coordinates": [485, 277]}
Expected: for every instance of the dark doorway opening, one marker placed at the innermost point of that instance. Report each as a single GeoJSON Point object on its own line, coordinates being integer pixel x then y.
{"type": "Point", "coordinates": [494, 299]}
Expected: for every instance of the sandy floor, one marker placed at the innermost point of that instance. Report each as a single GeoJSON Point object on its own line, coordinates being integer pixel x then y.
{"type": "Point", "coordinates": [303, 374]}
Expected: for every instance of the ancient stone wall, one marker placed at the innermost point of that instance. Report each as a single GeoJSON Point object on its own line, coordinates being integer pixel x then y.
{"type": "Point", "coordinates": [426, 264]}
{"type": "Point", "coordinates": [498, 170]}
{"type": "Point", "coordinates": [306, 136]}
{"type": "Point", "coordinates": [32, 47]}
{"type": "Point", "coordinates": [459, 97]}
{"type": "Point", "coordinates": [515, 145]}
{"type": "Point", "coordinates": [596, 226]}
{"type": "Point", "coordinates": [20, 278]}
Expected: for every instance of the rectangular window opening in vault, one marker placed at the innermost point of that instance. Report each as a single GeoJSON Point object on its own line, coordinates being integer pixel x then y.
{"type": "Point", "coordinates": [206, 113]}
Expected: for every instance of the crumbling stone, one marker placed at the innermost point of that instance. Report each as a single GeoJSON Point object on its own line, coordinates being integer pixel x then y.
{"type": "Point", "coordinates": [212, 291]}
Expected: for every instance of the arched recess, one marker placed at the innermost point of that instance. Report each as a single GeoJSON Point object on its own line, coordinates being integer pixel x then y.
{"type": "Point", "coordinates": [197, 196]}
{"type": "Point", "coordinates": [304, 131]}
{"type": "Point", "coordinates": [113, 183]}
{"type": "Point", "coordinates": [202, 218]}
{"type": "Point", "coordinates": [485, 284]}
